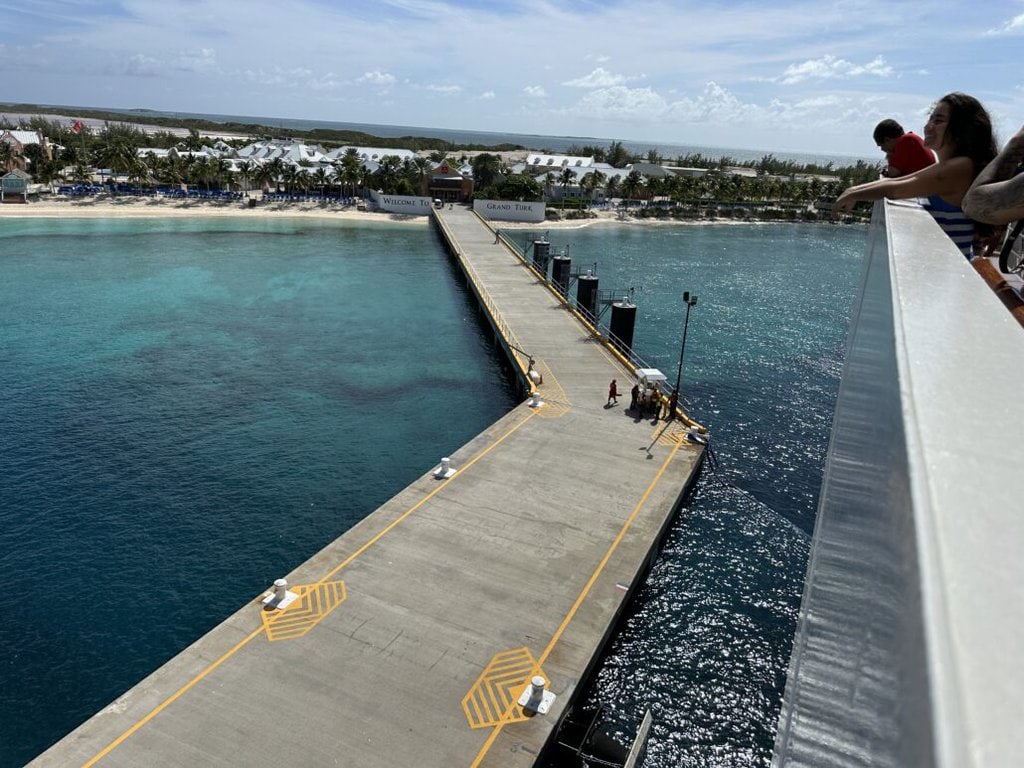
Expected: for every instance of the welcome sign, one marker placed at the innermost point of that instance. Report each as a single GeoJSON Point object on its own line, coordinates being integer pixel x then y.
{"type": "Point", "coordinates": [407, 204]}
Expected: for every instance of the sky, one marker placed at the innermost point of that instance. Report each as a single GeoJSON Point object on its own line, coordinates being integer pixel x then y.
{"type": "Point", "coordinates": [785, 75]}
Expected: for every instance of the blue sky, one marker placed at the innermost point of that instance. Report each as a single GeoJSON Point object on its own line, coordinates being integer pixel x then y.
{"type": "Point", "coordinates": [786, 75]}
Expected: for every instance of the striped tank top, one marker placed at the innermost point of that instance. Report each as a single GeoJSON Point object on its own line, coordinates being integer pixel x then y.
{"type": "Point", "coordinates": [954, 222]}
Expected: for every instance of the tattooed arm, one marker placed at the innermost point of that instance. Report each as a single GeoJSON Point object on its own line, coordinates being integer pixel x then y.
{"type": "Point", "coordinates": [997, 196]}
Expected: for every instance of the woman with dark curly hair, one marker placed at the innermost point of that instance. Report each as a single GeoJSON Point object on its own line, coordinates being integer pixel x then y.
{"type": "Point", "coordinates": [959, 131]}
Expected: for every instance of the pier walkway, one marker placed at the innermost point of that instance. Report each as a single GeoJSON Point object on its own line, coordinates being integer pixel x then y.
{"type": "Point", "coordinates": [414, 633]}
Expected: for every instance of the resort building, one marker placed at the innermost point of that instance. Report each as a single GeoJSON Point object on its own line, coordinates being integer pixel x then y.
{"type": "Point", "coordinates": [18, 141]}
{"type": "Point", "coordinates": [449, 184]}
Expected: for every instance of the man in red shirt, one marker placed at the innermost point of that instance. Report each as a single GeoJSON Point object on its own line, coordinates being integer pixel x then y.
{"type": "Point", "coordinates": [905, 152]}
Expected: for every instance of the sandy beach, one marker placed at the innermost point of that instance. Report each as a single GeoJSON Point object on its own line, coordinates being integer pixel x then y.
{"type": "Point", "coordinates": [106, 207]}
{"type": "Point", "coordinates": [140, 207]}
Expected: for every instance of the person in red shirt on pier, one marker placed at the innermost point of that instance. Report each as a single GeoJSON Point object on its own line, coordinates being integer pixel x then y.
{"type": "Point", "coordinates": [905, 152]}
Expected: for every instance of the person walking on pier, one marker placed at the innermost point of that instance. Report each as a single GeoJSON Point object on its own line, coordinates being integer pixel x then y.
{"type": "Point", "coordinates": [613, 394]}
{"type": "Point", "coordinates": [634, 398]}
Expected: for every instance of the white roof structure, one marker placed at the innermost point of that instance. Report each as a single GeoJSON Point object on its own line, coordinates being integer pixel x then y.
{"type": "Point", "coordinates": [22, 137]}
{"type": "Point", "coordinates": [375, 154]}
{"type": "Point", "coordinates": [553, 162]}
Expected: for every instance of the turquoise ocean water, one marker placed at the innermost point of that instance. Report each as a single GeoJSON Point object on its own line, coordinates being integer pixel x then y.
{"type": "Point", "coordinates": [191, 408]}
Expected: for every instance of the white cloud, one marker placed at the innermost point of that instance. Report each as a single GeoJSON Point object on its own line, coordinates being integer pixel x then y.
{"type": "Point", "coordinates": [599, 78]}
{"type": "Point", "coordinates": [716, 105]}
{"type": "Point", "coordinates": [537, 91]}
{"type": "Point", "coordinates": [325, 82]}
{"type": "Point", "coordinates": [829, 67]}
{"type": "Point", "coordinates": [487, 95]}
{"type": "Point", "coordinates": [297, 78]}
{"type": "Point", "coordinates": [1014, 26]}
{"type": "Point", "coordinates": [138, 65]}
{"type": "Point", "coordinates": [620, 103]}
{"type": "Point", "coordinates": [447, 90]}
{"type": "Point", "coordinates": [203, 60]}
{"type": "Point", "coordinates": [377, 78]}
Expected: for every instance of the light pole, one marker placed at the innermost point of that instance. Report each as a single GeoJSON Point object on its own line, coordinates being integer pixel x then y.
{"type": "Point", "coordinates": [689, 301]}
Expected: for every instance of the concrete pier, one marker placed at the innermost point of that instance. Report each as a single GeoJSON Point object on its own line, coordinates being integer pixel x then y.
{"type": "Point", "coordinates": [412, 638]}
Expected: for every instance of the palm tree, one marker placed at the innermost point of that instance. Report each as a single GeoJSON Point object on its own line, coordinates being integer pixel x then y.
{"type": "Point", "coordinates": [173, 170]}
{"type": "Point", "coordinates": [220, 170]}
{"type": "Point", "coordinates": [7, 156]}
{"type": "Point", "coordinates": [264, 175]}
{"type": "Point", "coordinates": [138, 172]}
{"type": "Point", "coordinates": [152, 164]}
{"type": "Point", "coordinates": [388, 172]}
{"type": "Point", "coordinates": [201, 171]}
{"type": "Point", "coordinates": [423, 169]}
{"type": "Point", "coordinates": [276, 168]}
{"type": "Point", "coordinates": [549, 183]}
{"type": "Point", "coordinates": [486, 169]}
{"type": "Point", "coordinates": [117, 154]}
{"type": "Point", "coordinates": [302, 179]}
{"type": "Point", "coordinates": [611, 188]}
{"type": "Point", "coordinates": [291, 178]}
{"type": "Point", "coordinates": [320, 180]}
{"type": "Point", "coordinates": [351, 166]}
{"type": "Point", "coordinates": [632, 185]}
{"type": "Point", "coordinates": [565, 178]}
{"type": "Point", "coordinates": [244, 174]}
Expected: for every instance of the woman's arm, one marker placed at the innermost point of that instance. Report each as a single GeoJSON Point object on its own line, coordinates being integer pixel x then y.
{"type": "Point", "coordinates": [997, 197]}
{"type": "Point", "coordinates": [948, 179]}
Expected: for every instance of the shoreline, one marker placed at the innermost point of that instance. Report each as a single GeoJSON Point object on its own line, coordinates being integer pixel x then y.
{"type": "Point", "coordinates": [148, 207]}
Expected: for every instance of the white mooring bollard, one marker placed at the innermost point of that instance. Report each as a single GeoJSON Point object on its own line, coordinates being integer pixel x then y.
{"type": "Point", "coordinates": [281, 597]}
{"type": "Point", "coordinates": [534, 699]}
{"type": "Point", "coordinates": [535, 401]}
{"type": "Point", "coordinates": [445, 470]}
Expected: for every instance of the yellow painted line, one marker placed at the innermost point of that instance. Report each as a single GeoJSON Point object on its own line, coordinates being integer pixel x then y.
{"type": "Point", "coordinates": [258, 631]}
{"type": "Point", "coordinates": [424, 500]}
{"type": "Point", "coordinates": [171, 699]}
{"type": "Point", "coordinates": [579, 600]}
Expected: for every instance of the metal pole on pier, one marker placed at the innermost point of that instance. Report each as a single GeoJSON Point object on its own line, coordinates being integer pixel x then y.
{"type": "Point", "coordinates": [689, 301]}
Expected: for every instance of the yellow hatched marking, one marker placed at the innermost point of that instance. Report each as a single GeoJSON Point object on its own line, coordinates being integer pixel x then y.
{"type": "Point", "coordinates": [262, 628]}
{"type": "Point", "coordinates": [556, 402]}
{"type": "Point", "coordinates": [583, 594]}
{"type": "Point", "coordinates": [494, 697]}
{"type": "Point", "coordinates": [670, 433]}
{"type": "Point", "coordinates": [315, 601]}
